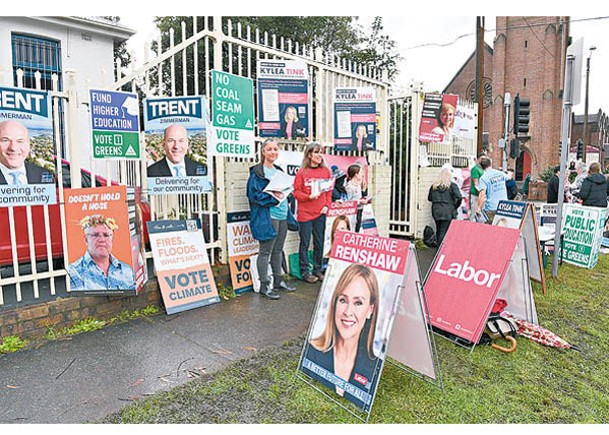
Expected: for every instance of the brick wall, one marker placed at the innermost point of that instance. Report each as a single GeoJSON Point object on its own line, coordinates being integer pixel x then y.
{"type": "Point", "coordinates": [32, 321]}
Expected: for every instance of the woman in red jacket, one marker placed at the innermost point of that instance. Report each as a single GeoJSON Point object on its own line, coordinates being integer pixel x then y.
{"type": "Point", "coordinates": [313, 191]}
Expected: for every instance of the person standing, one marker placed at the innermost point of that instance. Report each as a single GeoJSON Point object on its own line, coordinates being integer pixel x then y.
{"type": "Point", "coordinates": [268, 222]}
{"type": "Point", "coordinates": [475, 174]}
{"type": "Point", "coordinates": [445, 197]}
{"type": "Point", "coordinates": [313, 191]}
{"type": "Point", "coordinates": [553, 184]}
{"type": "Point", "coordinates": [594, 189]}
{"type": "Point", "coordinates": [492, 189]}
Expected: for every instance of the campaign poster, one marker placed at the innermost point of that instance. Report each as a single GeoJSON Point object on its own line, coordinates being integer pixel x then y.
{"type": "Point", "coordinates": [137, 234]}
{"type": "Point", "coordinates": [98, 238]}
{"type": "Point", "coordinates": [582, 231]}
{"type": "Point", "coordinates": [341, 216]}
{"type": "Point", "coordinates": [27, 173]}
{"type": "Point", "coordinates": [232, 124]}
{"type": "Point", "coordinates": [463, 282]}
{"type": "Point", "coordinates": [510, 214]}
{"type": "Point", "coordinates": [347, 343]}
{"type": "Point", "coordinates": [283, 99]}
{"type": "Point", "coordinates": [438, 117]}
{"type": "Point", "coordinates": [182, 266]}
{"type": "Point", "coordinates": [115, 124]}
{"type": "Point", "coordinates": [176, 145]}
{"type": "Point", "coordinates": [354, 119]}
{"type": "Point", "coordinates": [369, 221]}
{"type": "Point", "coordinates": [241, 247]}
{"type": "Point", "coordinates": [465, 122]}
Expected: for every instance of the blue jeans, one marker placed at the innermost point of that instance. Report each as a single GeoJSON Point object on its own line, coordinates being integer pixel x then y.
{"type": "Point", "coordinates": [317, 226]}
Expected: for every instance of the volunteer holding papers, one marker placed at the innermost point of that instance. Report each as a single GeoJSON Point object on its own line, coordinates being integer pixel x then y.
{"type": "Point", "coordinates": [269, 217]}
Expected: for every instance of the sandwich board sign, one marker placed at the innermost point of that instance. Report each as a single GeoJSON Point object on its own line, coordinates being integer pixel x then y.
{"type": "Point", "coordinates": [521, 215]}
{"type": "Point", "coordinates": [361, 298]}
{"type": "Point", "coordinates": [583, 234]}
{"type": "Point", "coordinates": [465, 279]}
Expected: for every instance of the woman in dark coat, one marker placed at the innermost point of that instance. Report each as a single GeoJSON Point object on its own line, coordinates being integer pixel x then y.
{"type": "Point", "coordinates": [445, 198]}
{"type": "Point", "coordinates": [594, 190]}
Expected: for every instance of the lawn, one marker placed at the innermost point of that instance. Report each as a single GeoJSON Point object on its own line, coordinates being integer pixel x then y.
{"type": "Point", "coordinates": [535, 384]}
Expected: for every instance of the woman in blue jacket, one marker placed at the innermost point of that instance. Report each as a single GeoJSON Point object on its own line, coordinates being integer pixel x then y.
{"type": "Point", "coordinates": [269, 220]}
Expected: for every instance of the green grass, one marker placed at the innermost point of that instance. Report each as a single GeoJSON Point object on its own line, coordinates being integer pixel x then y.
{"type": "Point", "coordinates": [535, 384]}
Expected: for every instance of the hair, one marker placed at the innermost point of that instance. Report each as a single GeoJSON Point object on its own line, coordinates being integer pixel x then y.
{"type": "Point", "coordinates": [358, 128]}
{"type": "Point", "coordinates": [443, 108]}
{"type": "Point", "coordinates": [580, 165]}
{"type": "Point", "coordinates": [353, 170]}
{"type": "Point", "coordinates": [306, 161]}
{"type": "Point", "coordinates": [556, 169]}
{"type": "Point", "coordinates": [264, 144]}
{"type": "Point", "coordinates": [327, 339]}
{"type": "Point", "coordinates": [443, 180]}
{"type": "Point", "coordinates": [485, 162]}
{"type": "Point", "coordinates": [338, 220]}
{"type": "Point", "coordinates": [595, 168]}
{"type": "Point", "coordinates": [285, 115]}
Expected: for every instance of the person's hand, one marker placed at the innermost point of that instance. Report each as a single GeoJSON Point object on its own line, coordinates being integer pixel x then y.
{"type": "Point", "coordinates": [277, 194]}
{"type": "Point", "coordinates": [314, 195]}
{"type": "Point", "coordinates": [324, 210]}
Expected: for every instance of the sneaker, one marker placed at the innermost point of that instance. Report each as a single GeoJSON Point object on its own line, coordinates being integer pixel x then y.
{"type": "Point", "coordinates": [271, 294]}
{"type": "Point", "coordinates": [310, 278]}
{"type": "Point", "coordinates": [285, 286]}
{"type": "Point", "coordinates": [319, 275]}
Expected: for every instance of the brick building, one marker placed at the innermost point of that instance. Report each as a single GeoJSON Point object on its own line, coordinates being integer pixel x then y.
{"type": "Point", "coordinates": [528, 58]}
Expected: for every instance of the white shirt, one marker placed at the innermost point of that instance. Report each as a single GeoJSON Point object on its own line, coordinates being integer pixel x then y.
{"type": "Point", "coordinates": [9, 178]}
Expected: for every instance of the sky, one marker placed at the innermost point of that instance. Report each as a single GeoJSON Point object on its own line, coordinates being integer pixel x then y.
{"type": "Point", "coordinates": [419, 38]}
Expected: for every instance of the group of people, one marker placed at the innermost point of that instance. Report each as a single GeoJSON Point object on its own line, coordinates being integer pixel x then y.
{"type": "Point", "coordinates": [315, 188]}
{"type": "Point", "coordinates": [590, 186]}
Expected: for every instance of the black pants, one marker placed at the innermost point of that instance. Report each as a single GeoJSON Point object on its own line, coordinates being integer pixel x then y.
{"type": "Point", "coordinates": [441, 229]}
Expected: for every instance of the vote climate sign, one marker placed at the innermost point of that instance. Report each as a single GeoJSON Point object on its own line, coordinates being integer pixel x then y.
{"type": "Point", "coordinates": [232, 132]}
{"type": "Point", "coordinates": [115, 124]}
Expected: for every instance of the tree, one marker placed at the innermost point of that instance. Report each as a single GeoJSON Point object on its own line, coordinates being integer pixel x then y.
{"type": "Point", "coordinates": [120, 48]}
{"type": "Point", "coordinates": [343, 36]}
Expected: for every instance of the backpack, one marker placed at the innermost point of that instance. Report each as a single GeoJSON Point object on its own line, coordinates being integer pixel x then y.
{"type": "Point", "coordinates": [429, 237]}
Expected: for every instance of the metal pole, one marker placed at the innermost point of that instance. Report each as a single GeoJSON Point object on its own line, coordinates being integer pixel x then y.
{"type": "Point", "coordinates": [507, 101]}
{"type": "Point", "coordinates": [566, 116]}
{"type": "Point", "coordinates": [586, 103]}
{"type": "Point", "coordinates": [480, 79]}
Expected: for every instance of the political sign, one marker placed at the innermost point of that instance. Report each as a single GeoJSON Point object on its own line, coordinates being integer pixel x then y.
{"type": "Point", "coordinates": [241, 247]}
{"type": "Point", "coordinates": [99, 241]}
{"type": "Point", "coordinates": [176, 144]}
{"type": "Point", "coordinates": [354, 119]}
{"type": "Point", "coordinates": [283, 99]}
{"type": "Point", "coordinates": [354, 314]}
{"type": "Point", "coordinates": [582, 230]}
{"type": "Point", "coordinates": [438, 117]}
{"type": "Point", "coordinates": [232, 131]}
{"type": "Point", "coordinates": [341, 216]}
{"type": "Point", "coordinates": [27, 171]}
{"type": "Point", "coordinates": [136, 233]}
{"type": "Point", "coordinates": [115, 124]}
{"type": "Point", "coordinates": [182, 266]}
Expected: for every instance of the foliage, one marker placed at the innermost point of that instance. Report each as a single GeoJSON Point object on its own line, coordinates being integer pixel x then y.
{"type": "Point", "coordinates": [535, 384]}
{"type": "Point", "coordinates": [120, 51]}
{"type": "Point", "coordinates": [546, 174]}
{"type": "Point", "coordinates": [225, 292]}
{"type": "Point", "coordinates": [342, 36]}
{"type": "Point", "coordinates": [12, 343]}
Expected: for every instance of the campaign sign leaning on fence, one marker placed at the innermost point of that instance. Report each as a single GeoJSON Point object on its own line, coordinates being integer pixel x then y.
{"type": "Point", "coordinates": [27, 169]}
{"type": "Point", "coordinates": [582, 230]}
{"type": "Point", "coordinates": [180, 259]}
{"type": "Point", "coordinates": [241, 246]}
{"type": "Point", "coordinates": [347, 343]}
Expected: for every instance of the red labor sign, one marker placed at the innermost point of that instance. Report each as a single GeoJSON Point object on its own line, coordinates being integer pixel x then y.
{"type": "Point", "coordinates": [462, 284]}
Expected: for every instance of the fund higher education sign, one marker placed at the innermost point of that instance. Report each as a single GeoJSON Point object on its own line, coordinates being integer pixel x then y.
{"type": "Point", "coordinates": [115, 124]}
{"type": "Point", "coordinates": [232, 132]}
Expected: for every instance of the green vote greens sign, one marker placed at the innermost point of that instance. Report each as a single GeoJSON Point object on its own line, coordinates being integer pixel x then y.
{"type": "Point", "coordinates": [232, 132]}
{"type": "Point", "coordinates": [582, 231]}
{"type": "Point", "coordinates": [115, 124]}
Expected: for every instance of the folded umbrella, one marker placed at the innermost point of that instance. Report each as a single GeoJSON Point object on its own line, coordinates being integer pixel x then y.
{"type": "Point", "coordinates": [539, 333]}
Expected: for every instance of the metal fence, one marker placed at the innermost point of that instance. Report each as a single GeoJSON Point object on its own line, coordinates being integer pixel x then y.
{"type": "Point", "coordinates": [181, 66]}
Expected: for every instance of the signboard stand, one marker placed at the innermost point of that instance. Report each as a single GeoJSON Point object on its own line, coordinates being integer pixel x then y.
{"type": "Point", "coordinates": [403, 335]}
{"type": "Point", "coordinates": [463, 284]}
{"type": "Point", "coordinates": [521, 215]}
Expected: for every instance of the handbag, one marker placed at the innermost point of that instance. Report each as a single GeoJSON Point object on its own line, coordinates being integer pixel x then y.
{"type": "Point", "coordinates": [500, 327]}
{"type": "Point", "coordinates": [292, 222]}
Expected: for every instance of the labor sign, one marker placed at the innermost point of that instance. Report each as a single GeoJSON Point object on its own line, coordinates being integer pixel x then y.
{"type": "Point", "coordinates": [462, 284]}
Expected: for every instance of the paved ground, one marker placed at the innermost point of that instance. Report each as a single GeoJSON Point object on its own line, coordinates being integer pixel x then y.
{"type": "Point", "coordinates": [94, 374]}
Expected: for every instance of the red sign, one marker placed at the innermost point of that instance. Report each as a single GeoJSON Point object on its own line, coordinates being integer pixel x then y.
{"type": "Point", "coordinates": [467, 273]}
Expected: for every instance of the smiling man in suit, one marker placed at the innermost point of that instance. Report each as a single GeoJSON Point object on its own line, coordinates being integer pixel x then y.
{"type": "Point", "coordinates": [175, 163]}
{"type": "Point", "coordinates": [14, 148]}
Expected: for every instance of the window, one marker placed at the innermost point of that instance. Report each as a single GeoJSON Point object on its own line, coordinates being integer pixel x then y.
{"type": "Point", "coordinates": [526, 44]}
{"type": "Point", "coordinates": [525, 83]}
{"type": "Point", "coordinates": [33, 54]}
